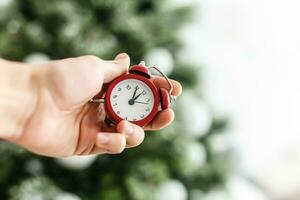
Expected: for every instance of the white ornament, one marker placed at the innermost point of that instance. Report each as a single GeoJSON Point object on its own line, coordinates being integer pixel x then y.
{"type": "Point", "coordinates": [71, 30]}
{"type": "Point", "coordinates": [161, 58]}
{"type": "Point", "coordinates": [39, 188]}
{"type": "Point", "coordinates": [5, 3]}
{"type": "Point", "coordinates": [76, 162]}
{"type": "Point", "coordinates": [34, 166]}
{"type": "Point", "coordinates": [195, 114]}
{"type": "Point", "coordinates": [221, 142]}
{"type": "Point", "coordinates": [37, 58]}
{"type": "Point", "coordinates": [173, 4]}
{"type": "Point", "coordinates": [194, 157]}
{"type": "Point", "coordinates": [66, 196]}
{"type": "Point", "coordinates": [34, 189]}
{"type": "Point", "coordinates": [172, 189]}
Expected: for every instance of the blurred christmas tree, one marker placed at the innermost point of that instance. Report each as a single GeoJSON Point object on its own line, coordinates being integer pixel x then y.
{"type": "Point", "coordinates": [183, 160]}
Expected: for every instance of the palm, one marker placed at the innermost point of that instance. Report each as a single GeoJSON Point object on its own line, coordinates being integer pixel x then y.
{"type": "Point", "coordinates": [64, 132]}
{"type": "Point", "coordinates": [67, 122]}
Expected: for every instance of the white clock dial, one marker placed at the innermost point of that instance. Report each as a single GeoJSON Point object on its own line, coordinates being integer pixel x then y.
{"type": "Point", "coordinates": [132, 99]}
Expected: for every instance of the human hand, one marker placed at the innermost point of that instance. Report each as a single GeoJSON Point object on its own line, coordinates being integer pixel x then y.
{"type": "Point", "coordinates": [63, 123]}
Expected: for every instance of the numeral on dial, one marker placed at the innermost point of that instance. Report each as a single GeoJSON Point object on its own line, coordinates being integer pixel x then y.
{"type": "Point", "coordinates": [128, 87]}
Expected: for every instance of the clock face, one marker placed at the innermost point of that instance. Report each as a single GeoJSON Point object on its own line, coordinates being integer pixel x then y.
{"type": "Point", "coordinates": [132, 99]}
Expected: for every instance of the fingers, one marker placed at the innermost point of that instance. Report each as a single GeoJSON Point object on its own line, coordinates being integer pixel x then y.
{"type": "Point", "coordinates": [160, 82]}
{"type": "Point", "coordinates": [162, 119]}
{"type": "Point", "coordinates": [134, 134]}
{"type": "Point", "coordinates": [165, 117]}
{"type": "Point", "coordinates": [115, 68]}
{"type": "Point", "coordinates": [86, 74]}
{"type": "Point", "coordinates": [113, 143]}
{"type": "Point", "coordinates": [128, 135]}
{"type": "Point", "coordinates": [110, 69]}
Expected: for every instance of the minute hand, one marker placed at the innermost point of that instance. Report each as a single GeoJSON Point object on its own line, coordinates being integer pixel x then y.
{"type": "Point", "coordinates": [136, 88]}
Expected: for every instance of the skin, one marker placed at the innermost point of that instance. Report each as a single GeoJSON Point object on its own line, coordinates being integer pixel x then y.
{"type": "Point", "coordinates": [45, 108]}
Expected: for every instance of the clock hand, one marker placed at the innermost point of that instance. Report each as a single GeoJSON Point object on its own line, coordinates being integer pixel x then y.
{"type": "Point", "coordinates": [132, 100]}
{"type": "Point", "coordinates": [134, 93]}
{"type": "Point", "coordinates": [135, 98]}
{"type": "Point", "coordinates": [141, 102]}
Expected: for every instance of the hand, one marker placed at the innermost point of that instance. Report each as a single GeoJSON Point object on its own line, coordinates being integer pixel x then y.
{"type": "Point", "coordinates": [63, 123]}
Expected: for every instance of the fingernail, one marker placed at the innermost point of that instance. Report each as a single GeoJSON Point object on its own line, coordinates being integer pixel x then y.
{"type": "Point", "coordinates": [104, 139]}
{"type": "Point", "coordinates": [128, 129]}
{"type": "Point", "coordinates": [121, 56]}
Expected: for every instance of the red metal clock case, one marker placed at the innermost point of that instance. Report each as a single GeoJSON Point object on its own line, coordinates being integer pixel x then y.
{"type": "Point", "coordinates": [108, 107]}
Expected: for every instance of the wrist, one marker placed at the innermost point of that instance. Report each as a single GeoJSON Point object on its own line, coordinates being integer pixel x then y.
{"type": "Point", "coordinates": [18, 97]}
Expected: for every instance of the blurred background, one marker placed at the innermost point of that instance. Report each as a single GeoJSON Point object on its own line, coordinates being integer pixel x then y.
{"type": "Point", "coordinates": [236, 133]}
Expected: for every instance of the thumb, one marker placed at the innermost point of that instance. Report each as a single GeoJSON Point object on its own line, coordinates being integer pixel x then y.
{"type": "Point", "coordinates": [118, 66]}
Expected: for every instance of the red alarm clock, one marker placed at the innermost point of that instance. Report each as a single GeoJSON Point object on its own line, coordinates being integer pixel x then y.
{"type": "Point", "coordinates": [134, 97]}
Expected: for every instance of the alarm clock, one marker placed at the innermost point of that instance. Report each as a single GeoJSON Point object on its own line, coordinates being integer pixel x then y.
{"type": "Point", "coordinates": [134, 97]}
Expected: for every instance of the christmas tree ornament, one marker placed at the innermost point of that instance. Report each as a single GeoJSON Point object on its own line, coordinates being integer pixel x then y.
{"type": "Point", "coordinates": [67, 196]}
{"type": "Point", "coordinates": [34, 167]}
{"type": "Point", "coordinates": [37, 187]}
{"type": "Point", "coordinates": [175, 4]}
{"type": "Point", "coordinates": [221, 142]}
{"type": "Point", "coordinates": [172, 189]}
{"type": "Point", "coordinates": [191, 157]}
{"type": "Point", "coordinates": [76, 162]}
{"type": "Point", "coordinates": [37, 58]}
{"type": "Point", "coordinates": [135, 98]}
{"type": "Point", "coordinates": [5, 3]}
{"type": "Point", "coordinates": [161, 57]}
{"type": "Point", "coordinates": [194, 157]}
{"type": "Point", "coordinates": [194, 111]}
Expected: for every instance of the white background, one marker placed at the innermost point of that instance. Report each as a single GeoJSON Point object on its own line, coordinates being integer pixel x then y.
{"type": "Point", "coordinates": [249, 51]}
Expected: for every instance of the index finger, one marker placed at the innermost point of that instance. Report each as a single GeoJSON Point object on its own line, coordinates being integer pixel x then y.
{"type": "Point", "coordinates": [164, 117]}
